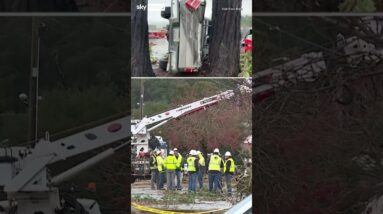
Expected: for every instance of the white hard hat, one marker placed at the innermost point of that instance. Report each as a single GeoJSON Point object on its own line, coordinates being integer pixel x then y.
{"type": "Point", "coordinates": [227, 154]}
{"type": "Point", "coordinates": [216, 150]}
{"type": "Point", "coordinates": [171, 153]}
{"type": "Point", "coordinates": [175, 149]}
{"type": "Point", "coordinates": [191, 152]}
{"type": "Point", "coordinates": [158, 152]}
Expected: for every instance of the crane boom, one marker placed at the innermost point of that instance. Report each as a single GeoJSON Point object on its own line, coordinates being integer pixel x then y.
{"type": "Point", "coordinates": [162, 118]}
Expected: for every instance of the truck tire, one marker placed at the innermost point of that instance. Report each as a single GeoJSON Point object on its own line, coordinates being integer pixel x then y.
{"type": "Point", "coordinates": [163, 64]}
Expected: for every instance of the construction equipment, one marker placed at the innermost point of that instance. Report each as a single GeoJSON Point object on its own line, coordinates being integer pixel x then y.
{"type": "Point", "coordinates": [28, 184]}
{"type": "Point", "coordinates": [141, 128]}
{"type": "Point", "coordinates": [188, 35]}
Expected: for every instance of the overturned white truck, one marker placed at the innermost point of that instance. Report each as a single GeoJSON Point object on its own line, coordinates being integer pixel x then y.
{"type": "Point", "coordinates": [188, 35]}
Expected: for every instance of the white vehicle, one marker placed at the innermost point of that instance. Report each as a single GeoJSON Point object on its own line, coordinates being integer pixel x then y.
{"type": "Point", "coordinates": [28, 184]}
{"type": "Point", "coordinates": [188, 35]}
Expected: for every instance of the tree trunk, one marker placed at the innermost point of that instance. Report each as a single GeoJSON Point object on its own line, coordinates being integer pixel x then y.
{"type": "Point", "coordinates": [141, 66]}
{"type": "Point", "coordinates": [224, 53]}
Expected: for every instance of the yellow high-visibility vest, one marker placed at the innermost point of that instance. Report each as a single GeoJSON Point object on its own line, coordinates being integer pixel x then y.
{"type": "Point", "coordinates": [179, 160]}
{"type": "Point", "coordinates": [191, 165]}
{"type": "Point", "coordinates": [201, 160]}
{"type": "Point", "coordinates": [170, 162]}
{"type": "Point", "coordinates": [232, 166]}
{"type": "Point", "coordinates": [153, 162]}
{"type": "Point", "coordinates": [215, 163]}
{"type": "Point", "coordinates": [160, 163]}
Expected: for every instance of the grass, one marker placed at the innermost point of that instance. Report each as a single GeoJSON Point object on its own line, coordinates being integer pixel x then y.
{"type": "Point", "coordinates": [173, 197]}
{"type": "Point", "coordinates": [144, 199]}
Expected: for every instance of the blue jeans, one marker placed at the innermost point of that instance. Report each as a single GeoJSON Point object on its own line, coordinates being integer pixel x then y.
{"type": "Point", "coordinates": [201, 173]}
{"type": "Point", "coordinates": [214, 181]}
{"type": "Point", "coordinates": [178, 176]}
{"type": "Point", "coordinates": [170, 174]}
{"type": "Point", "coordinates": [228, 177]}
{"type": "Point", "coordinates": [192, 182]}
{"type": "Point", "coordinates": [154, 178]}
{"type": "Point", "coordinates": [160, 180]}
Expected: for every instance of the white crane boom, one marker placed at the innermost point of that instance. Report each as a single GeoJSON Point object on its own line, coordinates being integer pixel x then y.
{"type": "Point", "coordinates": [32, 174]}
{"type": "Point", "coordinates": [142, 126]}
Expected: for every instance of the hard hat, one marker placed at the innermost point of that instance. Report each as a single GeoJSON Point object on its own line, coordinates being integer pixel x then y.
{"type": "Point", "coordinates": [191, 152]}
{"type": "Point", "coordinates": [216, 150]}
{"type": "Point", "coordinates": [195, 152]}
{"type": "Point", "coordinates": [175, 149]}
{"type": "Point", "coordinates": [171, 153]}
{"type": "Point", "coordinates": [227, 154]}
{"type": "Point", "coordinates": [158, 152]}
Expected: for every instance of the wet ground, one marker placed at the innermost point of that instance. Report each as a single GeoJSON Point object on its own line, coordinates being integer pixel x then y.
{"type": "Point", "coordinates": [142, 188]}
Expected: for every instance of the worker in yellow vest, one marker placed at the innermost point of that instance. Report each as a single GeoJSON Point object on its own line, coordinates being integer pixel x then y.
{"type": "Point", "coordinates": [215, 168]}
{"type": "Point", "coordinates": [228, 171]}
{"type": "Point", "coordinates": [153, 169]}
{"type": "Point", "coordinates": [192, 162]}
{"type": "Point", "coordinates": [170, 164]}
{"type": "Point", "coordinates": [160, 167]}
{"type": "Point", "coordinates": [179, 168]}
{"type": "Point", "coordinates": [202, 169]}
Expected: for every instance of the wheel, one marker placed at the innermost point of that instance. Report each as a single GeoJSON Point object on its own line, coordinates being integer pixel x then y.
{"type": "Point", "coordinates": [163, 64]}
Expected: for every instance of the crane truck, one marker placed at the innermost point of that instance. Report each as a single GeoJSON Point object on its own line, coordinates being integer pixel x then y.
{"type": "Point", "coordinates": [141, 128]}
{"type": "Point", "coordinates": [188, 35]}
{"type": "Point", "coordinates": [26, 180]}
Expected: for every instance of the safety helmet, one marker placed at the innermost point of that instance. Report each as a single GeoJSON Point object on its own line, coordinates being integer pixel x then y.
{"type": "Point", "coordinates": [216, 150]}
{"type": "Point", "coordinates": [175, 149]}
{"type": "Point", "coordinates": [171, 153]}
{"type": "Point", "coordinates": [227, 154]}
{"type": "Point", "coordinates": [191, 152]}
{"type": "Point", "coordinates": [158, 152]}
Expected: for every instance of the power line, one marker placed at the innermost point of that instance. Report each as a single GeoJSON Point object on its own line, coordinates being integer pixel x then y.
{"type": "Point", "coordinates": [299, 38]}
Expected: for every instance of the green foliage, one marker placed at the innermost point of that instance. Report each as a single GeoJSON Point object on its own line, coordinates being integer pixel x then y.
{"type": "Point", "coordinates": [357, 6]}
{"type": "Point", "coordinates": [143, 199]}
{"type": "Point", "coordinates": [246, 65]}
{"type": "Point", "coordinates": [172, 197]}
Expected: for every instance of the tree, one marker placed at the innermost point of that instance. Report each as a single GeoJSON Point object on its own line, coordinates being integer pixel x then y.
{"type": "Point", "coordinates": [223, 126]}
{"type": "Point", "coordinates": [141, 65]}
{"type": "Point", "coordinates": [319, 145]}
{"type": "Point", "coordinates": [224, 52]}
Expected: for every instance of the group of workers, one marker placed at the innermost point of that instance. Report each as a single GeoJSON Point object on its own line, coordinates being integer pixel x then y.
{"type": "Point", "coordinates": [173, 166]}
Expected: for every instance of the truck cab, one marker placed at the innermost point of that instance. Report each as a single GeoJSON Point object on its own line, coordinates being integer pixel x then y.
{"type": "Point", "coordinates": [188, 35]}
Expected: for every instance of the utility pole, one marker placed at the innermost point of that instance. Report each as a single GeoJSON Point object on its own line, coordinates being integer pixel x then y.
{"type": "Point", "coordinates": [34, 81]}
{"type": "Point", "coordinates": [142, 99]}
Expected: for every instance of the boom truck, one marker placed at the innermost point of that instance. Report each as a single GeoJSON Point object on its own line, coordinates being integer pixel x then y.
{"type": "Point", "coordinates": [141, 128]}
{"type": "Point", "coordinates": [26, 180]}
{"type": "Point", "coordinates": [188, 35]}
